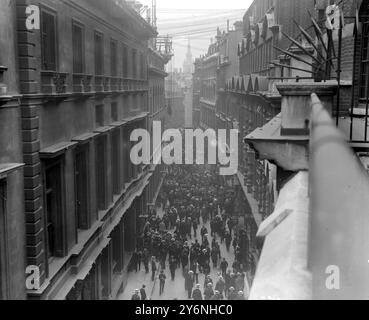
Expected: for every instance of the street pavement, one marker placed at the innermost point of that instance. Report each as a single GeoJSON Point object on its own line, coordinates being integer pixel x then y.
{"type": "Point", "coordinates": [174, 289]}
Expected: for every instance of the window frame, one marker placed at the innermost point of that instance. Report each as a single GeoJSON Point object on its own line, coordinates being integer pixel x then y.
{"type": "Point", "coordinates": [47, 10]}
{"type": "Point", "coordinates": [101, 173]}
{"type": "Point", "coordinates": [113, 68]}
{"type": "Point", "coordinates": [97, 71]}
{"type": "Point", "coordinates": [4, 268]}
{"type": "Point", "coordinates": [134, 69]}
{"type": "Point", "coordinates": [99, 122]}
{"type": "Point", "coordinates": [84, 150]}
{"type": "Point", "coordinates": [364, 64]}
{"type": "Point", "coordinates": [114, 111]}
{"type": "Point", "coordinates": [59, 248]}
{"type": "Point", "coordinates": [76, 23]}
{"type": "Point", "coordinates": [125, 61]}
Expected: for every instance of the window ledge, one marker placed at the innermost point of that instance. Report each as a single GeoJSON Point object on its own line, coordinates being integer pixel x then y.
{"type": "Point", "coordinates": [7, 168]}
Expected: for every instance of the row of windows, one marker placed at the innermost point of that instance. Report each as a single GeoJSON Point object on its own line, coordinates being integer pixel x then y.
{"type": "Point", "coordinates": [258, 59]}
{"type": "Point", "coordinates": [157, 101]}
{"type": "Point", "coordinates": [209, 90]}
{"type": "Point", "coordinates": [135, 103]}
{"type": "Point", "coordinates": [55, 184]}
{"type": "Point", "coordinates": [133, 62]}
{"type": "Point", "coordinates": [208, 117]}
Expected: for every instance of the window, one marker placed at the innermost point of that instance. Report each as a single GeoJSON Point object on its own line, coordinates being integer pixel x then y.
{"type": "Point", "coordinates": [100, 163]}
{"type": "Point", "coordinates": [364, 68]}
{"type": "Point", "coordinates": [113, 58]}
{"type": "Point", "coordinates": [114, 112]}
{"type": "Point", "coordinates": [134, 63]}
{"type": "Point", "coordinates": [99, 114]}
{"type": "Point", "coordinates": [106, 280]}
{"type": "Point", "coordinates": [125, 62]}
{"type": "Point", "coordinates": [127, 164]}
{"type": "Point", "coordinates": [118, 248]}
{"type": "Point", "coordinates": [115, 159]}
{"type": "Point", "coordinates": [143, 66]}
{"type": "Point", "coordinates": [82, 187]}
{"type": "Point", "coordinates": [48, 40]}
{"type": "Point", "coordinates": [2, 240]}
{"type": "Point", "coordinates": [99, 54]}
{"type": "Point", "coordinates": [78, 48]}
{"type": "Point", "coordinates": [54, 209]}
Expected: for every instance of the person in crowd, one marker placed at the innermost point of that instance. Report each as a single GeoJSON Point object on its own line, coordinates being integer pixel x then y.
{"type": "Point", "coordinates": [134, 261]}
{"type": "Point", "coordinates": [224, 266]}
{"type": "Point", "coordinates": [220, 286]}
{"type": "Point", "coordinates": [153, 268]}
{"type": "Point", "coordinates": [240, 296]}
{"type": "Point", "coordinates": [197, 294]}
{"type": "Point", "coordinates": [232, 295]}
{"type": "Point", "coordinates": [162, 279]}
{"type": "Point", "coordinates": [189, 282]}
{"type": "Point", "coordinates": [136, 295]}
{"type": "Point", "coordinates": [139, 259]}
{"type": "Point", "coordinates": [143, 293]}
{"type": "Point", "coordinates": [172, 267]}
{"type": "Point", "coordinates": [228, 240]}
{"type": "Point", "coordinates": [208, 292]}
{"type": "Point", "coordinates": [216, 296]}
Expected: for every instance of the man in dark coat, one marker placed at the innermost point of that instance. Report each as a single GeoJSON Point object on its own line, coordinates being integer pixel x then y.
{"type": "Point", "coordinates": [228, 240]}
{"type": "Point", "coordinates": [143, 293]}
{"type": "Point", "coordinates": [197, 294]}
{"type": "Point", "coordinates": [203, 232]}
{"type": "Point", "coordinates": [189, 282]}
{"type": "Point", "coordinates": [153, 268]}
{"type": "Point", "coordinates": [224, 266]}
{"type": "Point", "coordinates": [136, 295]}
{"type": "Point", "coordinates": [195, 269]}
{"type": "Point", "coordinates": [232, 295]}
{"type": "Point", "coordinates": [194, 226]}
{"type": "Point", "coordinates": [208, 292]}
{"type": "Point", "coordinates": [173, 267]}
{"type": "Point", "coordinates": [162, 278]}
{"type": "Point", "coordinates": [134, 261]}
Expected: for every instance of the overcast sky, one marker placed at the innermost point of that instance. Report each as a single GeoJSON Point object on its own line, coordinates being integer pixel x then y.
{"type": "Point", "coordinates": [196, 20]}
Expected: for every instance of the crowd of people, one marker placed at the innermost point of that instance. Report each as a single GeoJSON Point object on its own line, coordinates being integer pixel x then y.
{"type": "Point", "coordinates": [192, 199]}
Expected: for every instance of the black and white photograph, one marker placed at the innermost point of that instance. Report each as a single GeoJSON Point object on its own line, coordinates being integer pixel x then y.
{"type": "Point", "coordinates": [200, 151]}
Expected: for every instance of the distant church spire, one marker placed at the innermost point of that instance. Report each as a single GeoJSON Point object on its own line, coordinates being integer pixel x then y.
{"type": "Point", "coordinates": [188, 63]}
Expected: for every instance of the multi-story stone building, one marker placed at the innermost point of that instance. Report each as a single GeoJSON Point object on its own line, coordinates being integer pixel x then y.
{"type": "Point", "coordinates": [208, 93]}
{"type": "Point", "coordinates": [12, 221]}
{"type": "Point", "coordinates": [196, 85]}
{"type": "Point", "coordinates": [327, 189]}
{"type": "Point", "coordinates": [87, 78]}
{"type": "Point", "coordinates": [229, 65]}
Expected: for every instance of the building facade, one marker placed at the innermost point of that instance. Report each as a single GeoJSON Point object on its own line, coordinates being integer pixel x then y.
{"type": "Point", "coordinates": [72, 91]}
{"type": "Point", "coordinates": [12, 221]}
{"type": "Point", "coordinates": [246, 98]}
{"type": "Point", "coordinates": [318, 214]}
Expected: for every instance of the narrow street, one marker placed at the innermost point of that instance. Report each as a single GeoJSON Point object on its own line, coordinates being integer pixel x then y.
{"type": "Point", "coordinates": [175, 290]}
